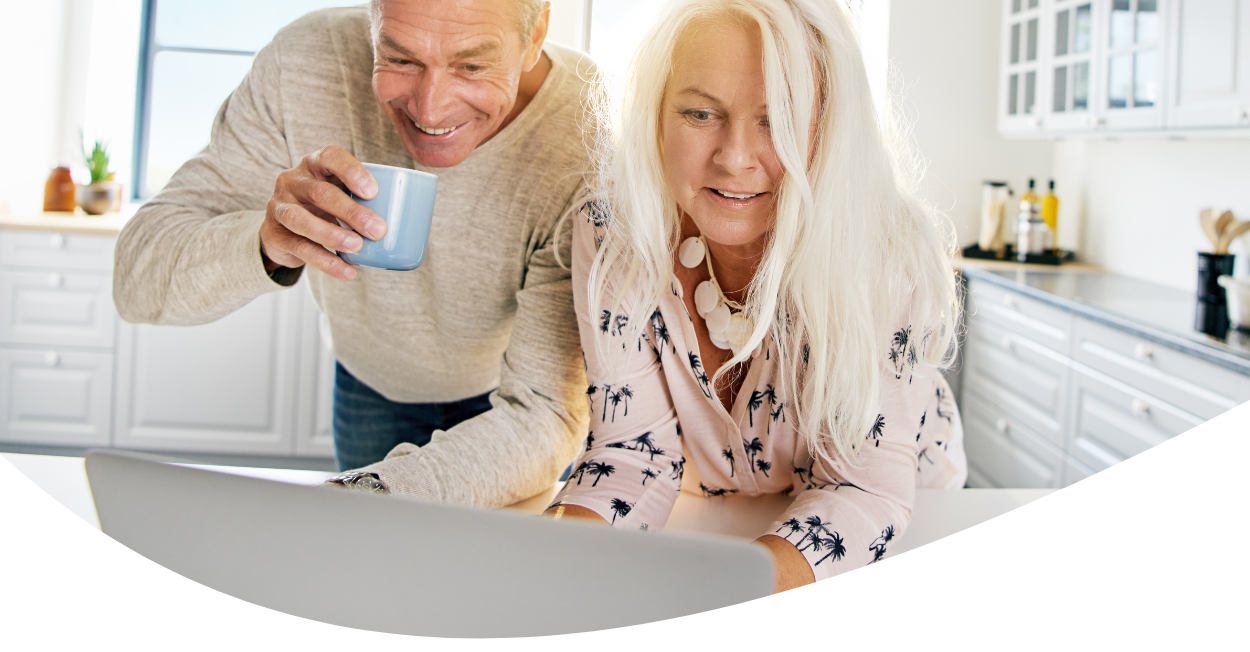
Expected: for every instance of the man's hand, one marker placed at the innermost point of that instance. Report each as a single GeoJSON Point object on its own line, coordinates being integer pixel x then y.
{"type": "Point", "coordinates": [307, 199]}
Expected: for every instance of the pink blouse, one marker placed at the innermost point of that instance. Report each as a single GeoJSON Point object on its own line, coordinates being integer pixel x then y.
{"type": "Point", "coordinates": [657, 429]}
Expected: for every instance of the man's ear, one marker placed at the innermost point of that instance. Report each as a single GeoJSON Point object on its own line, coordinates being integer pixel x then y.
{"type": "Point", "coordinates": [535, 48]}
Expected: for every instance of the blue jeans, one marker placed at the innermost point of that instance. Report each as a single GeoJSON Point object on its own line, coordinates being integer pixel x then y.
{"type": "Point", "coordinates": [368, 425]}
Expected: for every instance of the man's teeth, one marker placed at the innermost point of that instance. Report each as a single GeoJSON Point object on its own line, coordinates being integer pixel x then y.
{"type": "Point", "coordinates": [731, 195]}
{"type": "Point", "coordinates": [433, 132]}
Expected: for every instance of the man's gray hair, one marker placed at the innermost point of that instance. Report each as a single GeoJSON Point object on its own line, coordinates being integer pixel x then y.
{"type": "Point", "coordinates": [528, 13]}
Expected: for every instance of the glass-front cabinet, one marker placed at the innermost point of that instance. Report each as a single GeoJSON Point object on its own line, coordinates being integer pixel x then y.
{"type": "Point", "coordinates": [1019, 110]}
{"type": "Point", "coordinates": [1071, 67]}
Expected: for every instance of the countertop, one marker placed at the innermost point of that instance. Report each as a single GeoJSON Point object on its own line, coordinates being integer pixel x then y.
{"type": "Point", "coordinates": [76, 222]}
{"type": "Point", "coordinates": [1160, 314]}
{"type": "Point", "coordinates": [937, 512]}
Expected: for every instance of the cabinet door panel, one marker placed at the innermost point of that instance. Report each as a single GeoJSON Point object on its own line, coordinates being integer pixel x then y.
{"type": "Point", "coordinates": [314, 424]}
{"type": "Point", "coordinates": [1210, 73]}
{"type": "Point", "coordinates": [55, 397]}
{"type": "Point", "coordinates": [227, 386]}
{"type": "Point", "coordinates": [1196, 386]}
{"type": "Point", "coordinates": [1029, 317]}
{"type": "Point", "coordinates": [46, 250]}
{"type": "Point", "coordinates": [1004, 452]}
{"type": "Point", "coordinates": [55, 309]}
{"type": "Point", "coordinates": [1112, 422]}
{"type": "Point", "coordinates": [1014, 371]}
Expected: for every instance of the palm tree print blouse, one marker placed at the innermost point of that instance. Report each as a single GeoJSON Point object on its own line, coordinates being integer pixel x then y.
{"type": "Point", "coordinates": [657, 429]}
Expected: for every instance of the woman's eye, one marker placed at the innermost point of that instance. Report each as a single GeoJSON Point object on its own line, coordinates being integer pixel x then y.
{"type": "Point", "coordinates": [399, 62]}
{"type": "Point", "coordinates": [699, 116]}
{"type": "Point", "coordinates": [472, 67]}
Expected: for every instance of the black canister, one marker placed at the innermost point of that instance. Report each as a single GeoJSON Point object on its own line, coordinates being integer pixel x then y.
{"type": "Point", "coordinates": [1211, 316]}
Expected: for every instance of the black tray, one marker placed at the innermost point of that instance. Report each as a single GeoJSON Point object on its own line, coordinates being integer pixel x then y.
{"type": "Point", "coordinates": [1009, 255]}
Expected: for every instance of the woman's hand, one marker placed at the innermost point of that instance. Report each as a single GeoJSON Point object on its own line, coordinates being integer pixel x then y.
{"type": "Point", "coordinates": [791, 567]}
{"type": "Point", "coordinates": [557, 512]}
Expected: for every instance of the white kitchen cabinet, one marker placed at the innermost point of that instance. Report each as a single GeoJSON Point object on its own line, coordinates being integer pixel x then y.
{"type": "Point", "coordinates": [224, 387]}
{"type": "Point", "coordinates": [1088, 67]}
{"type": "Point", "coordinates": [1050, 397]}
{"type": "Point", "coordinates": [1209, 77]}
{"type": "Point", "coordinates": [257, 382]}
{"type": "Point", "coordinates": [314, 434]}
{"type": "Point", "coordinates": [55, 397]}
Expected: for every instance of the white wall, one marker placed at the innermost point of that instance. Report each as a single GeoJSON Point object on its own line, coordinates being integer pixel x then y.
{"type": "Point", "coordinates": [946, 54]}
{"type": "Point", "coordinates": [69, 65]}
{"type": "Point", "coordinates": [1141, 201]}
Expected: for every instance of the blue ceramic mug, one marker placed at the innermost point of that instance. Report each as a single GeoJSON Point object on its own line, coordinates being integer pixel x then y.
{"type": "Point", "coordinates": [405, 200]}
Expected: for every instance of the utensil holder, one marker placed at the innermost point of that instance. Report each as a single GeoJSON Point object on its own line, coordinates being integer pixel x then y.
{"type": "Point", "coordinates": [1210, 268]}
{"type": "Point", "coordinates": [1211, 312]}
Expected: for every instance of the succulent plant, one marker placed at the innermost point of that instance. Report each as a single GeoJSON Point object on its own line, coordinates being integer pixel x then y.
{"type": "Point", "coordinates": [97, 161]}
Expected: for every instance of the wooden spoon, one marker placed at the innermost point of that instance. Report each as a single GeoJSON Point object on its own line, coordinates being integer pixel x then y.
{"type": "Point", "coordinates": [1207, 218]}
{"type": "Point", "coordinates": [1231, 233]}
{"type": "Point", "coordinates": [1222, 222]}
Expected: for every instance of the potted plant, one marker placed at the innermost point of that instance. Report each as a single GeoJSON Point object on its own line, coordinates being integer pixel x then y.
{"type": "Point", "coordinates": [102, 193]}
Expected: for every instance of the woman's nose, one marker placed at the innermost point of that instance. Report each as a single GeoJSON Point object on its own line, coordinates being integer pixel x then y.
{"type": "Point", "coordinates": [736, 153]}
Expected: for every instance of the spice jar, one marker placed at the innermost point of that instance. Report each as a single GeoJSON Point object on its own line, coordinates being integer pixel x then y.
{"type": "Point", "coordinates": [58, 192]}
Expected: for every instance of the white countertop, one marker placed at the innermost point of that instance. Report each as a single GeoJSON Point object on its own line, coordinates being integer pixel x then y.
{"type": "Point", "coordinates": [937, 512]}
{"type": "Point", "coordinates": [75, 222]}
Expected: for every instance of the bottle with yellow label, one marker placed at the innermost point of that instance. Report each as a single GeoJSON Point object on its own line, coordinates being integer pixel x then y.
{"type": "Point", "coordinates": [1031, 194]}
{"type": "Point", "coordinates": [1050, 214]}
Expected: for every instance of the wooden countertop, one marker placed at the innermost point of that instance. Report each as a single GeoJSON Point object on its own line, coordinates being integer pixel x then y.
{"type": "Point", "coordinates": [76, 222]}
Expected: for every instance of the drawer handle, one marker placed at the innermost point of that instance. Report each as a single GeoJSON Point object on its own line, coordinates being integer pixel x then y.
{"type": "Point", "coordinates": [1139, 407]}
{"type": "Point", "coordinates": [57, 241]}
{"type": "Point", "coordinates": [1002, 426]}
{"type": "Point", "coordinates": [1143, 353]}
{"type": "Point", "coordinates": [1011, 302]}
{"type": "Point", "coordinates": [55, 280]}
{"type": "Point", "coordinates": [1008, 343]}
{"type": "Point", "coordinates": [52, 358]}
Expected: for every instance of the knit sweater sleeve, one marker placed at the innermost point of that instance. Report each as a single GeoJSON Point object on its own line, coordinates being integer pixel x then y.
{"type": "Point", "coordinates": [191, 254]}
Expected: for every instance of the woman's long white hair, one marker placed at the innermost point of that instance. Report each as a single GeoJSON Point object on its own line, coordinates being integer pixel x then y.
{"type": "Point", "coordinates": [852, 253]}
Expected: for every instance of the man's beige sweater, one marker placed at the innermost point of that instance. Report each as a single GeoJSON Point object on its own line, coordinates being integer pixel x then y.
{"type": "Point", "coordinates": [491, 306]}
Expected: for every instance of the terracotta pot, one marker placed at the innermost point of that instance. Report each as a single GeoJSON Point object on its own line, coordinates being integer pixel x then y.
{"type": "Point", "coordinates": [98, 198]}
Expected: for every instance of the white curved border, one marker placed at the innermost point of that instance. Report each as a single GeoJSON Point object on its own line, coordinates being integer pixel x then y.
{"type": "Point", "coordinates": [1148, 554]}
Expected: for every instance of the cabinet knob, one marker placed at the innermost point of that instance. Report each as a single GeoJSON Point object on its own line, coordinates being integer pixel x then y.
{"type": "Point", "coordinates": [1008, 343]}
{"type": "Point", "coordinates": [52, 358]}
{"type": "Point", "coordinates": [1139, 407]}
{"type": "Point", "coordinates": [1143, 353]}
{"type": "Point", "coordinates": [1002, 426]}
{"type": "Point", "coordinates": [56, 241]}
{"type": "Point", "coordinates": [1011, 302]}
{"type": "Point", "coordinates": [55, 280]}
{"type": "Point", "coordinates": [1101, 122]}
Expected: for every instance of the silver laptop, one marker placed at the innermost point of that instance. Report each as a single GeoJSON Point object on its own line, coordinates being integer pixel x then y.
{"type": "Point", "coordinates": [392, 565]}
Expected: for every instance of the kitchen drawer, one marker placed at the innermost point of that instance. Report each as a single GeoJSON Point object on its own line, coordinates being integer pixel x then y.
{"type": "Point", "coordinates": [1038, 321]}
{"type": "Point", "coordinates": [1006, 452]}
{"type": "Point", "coordinates": [55, 250]}
{"type": "Point", "coordinates": [1196, 386]}
{"type": "Point", "coordinates": [997, 361]}
{"type": "Point", "coordinates": [1073, 472]}
{"type": "Point", "coordinates": [1112, 422]}
{"type": "Point", "coordinates": [56, 309]}
{"type": "Point", "coordinates": [55, 397]}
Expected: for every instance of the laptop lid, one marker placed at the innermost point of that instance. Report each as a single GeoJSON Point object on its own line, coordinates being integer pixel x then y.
{"type": "Point", "coordinates": [401, 566]}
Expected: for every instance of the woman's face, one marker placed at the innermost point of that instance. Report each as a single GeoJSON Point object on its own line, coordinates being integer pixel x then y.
{"type": "Point", "coordinates": [718, 153]}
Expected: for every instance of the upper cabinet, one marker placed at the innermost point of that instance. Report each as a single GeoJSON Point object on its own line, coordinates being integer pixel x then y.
{"type": "Point", "coordinates": [1083, 67]}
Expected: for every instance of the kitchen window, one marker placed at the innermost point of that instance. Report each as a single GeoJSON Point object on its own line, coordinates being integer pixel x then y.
{"type": "Point", "coordinates": [193, 54]}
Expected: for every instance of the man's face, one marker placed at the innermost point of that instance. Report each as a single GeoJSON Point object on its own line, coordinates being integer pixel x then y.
{"type": "Point", "coordinates": [447, 72]}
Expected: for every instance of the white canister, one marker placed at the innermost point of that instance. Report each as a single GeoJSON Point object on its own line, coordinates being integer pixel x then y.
{"type": "Point", "coordinates": [1238, 293]}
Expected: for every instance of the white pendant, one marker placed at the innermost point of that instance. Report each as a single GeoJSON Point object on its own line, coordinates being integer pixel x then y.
{"type": "Point", "coordinates": [691, 252]}
{"type": "Point", "coordinates": [718, 319]}
{"type": "Point", "coordinates": [718, 342]}
{"type": "Point", "coordinates": [705, 298]}
{"type": "Point", "coordinates": [739, 329]}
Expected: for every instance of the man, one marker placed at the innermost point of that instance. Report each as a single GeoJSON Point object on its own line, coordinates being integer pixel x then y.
{"type": "Point", "coordinates": [465, 89]}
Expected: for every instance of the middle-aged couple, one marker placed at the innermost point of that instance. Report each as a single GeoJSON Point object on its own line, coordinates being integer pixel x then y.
{"type": "Point", "coordinates": [724, 277]}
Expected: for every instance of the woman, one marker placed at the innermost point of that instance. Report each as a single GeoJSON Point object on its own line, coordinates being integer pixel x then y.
{"type": "Point", "coordinates": [763, 304]}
